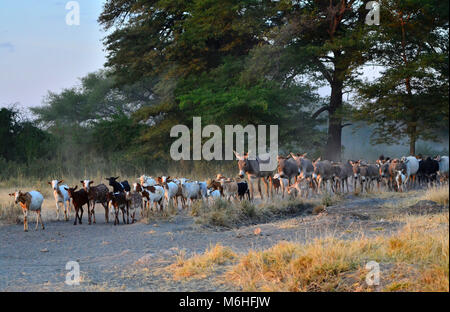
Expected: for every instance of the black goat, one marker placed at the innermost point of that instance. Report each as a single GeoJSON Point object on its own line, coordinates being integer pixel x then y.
{"type": "Point", "coordinates": [119, 186]}
{"type": "Point", "coordinates": [243, 190]}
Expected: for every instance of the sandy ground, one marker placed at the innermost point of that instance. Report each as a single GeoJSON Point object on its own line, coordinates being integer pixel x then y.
{"type": "Point", "coordinates": [132, 257]}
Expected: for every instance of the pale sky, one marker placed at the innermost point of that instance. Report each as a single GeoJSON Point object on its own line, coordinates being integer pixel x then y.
{"type": "Point", "coordinates": [40, 52]}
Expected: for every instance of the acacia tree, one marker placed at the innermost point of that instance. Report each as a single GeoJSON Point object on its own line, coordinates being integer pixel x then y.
{"type": "Point", "coordinates": [327, 41]}
{"type": "Point", "coordinates": [199, 52]}
{"type": "Point", "coordinates": [410, 98]}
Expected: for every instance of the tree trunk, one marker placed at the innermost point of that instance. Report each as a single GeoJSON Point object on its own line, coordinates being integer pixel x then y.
{"type": "Point", "coordinates": [412, 146]}
{"type": "Point", "coordinates": [333, 147]}
{"type": "Point", "coordinates": [412, 140]}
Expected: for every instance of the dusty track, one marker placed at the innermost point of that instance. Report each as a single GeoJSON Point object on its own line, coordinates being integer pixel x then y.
{"type": "Point", "coordinates": [132, 257]}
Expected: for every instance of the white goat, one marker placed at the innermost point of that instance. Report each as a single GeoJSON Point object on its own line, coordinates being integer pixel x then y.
{"type": "Point", "coordinates": [30, 201]}
{"type": "Point", "coordinates": [190, 190]}
{"type": "Point", "coordinates": [213, 194]}
{"type": "Point", "coordinates": [412, 166]}
{"type": "Point", "coordinates": [156, 196]}
{"type": "Point", "coordinates": [61, 197]}
{"type": "Point", "coordinates": [170, 192]}
{"type": "Point", "coordinates": [147, 181]}
{"type": "Point", "coordinates": [203, 188]}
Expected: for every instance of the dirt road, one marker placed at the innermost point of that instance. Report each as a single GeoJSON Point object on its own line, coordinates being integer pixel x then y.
{"type": "Point", "coordinates": [132, 257]}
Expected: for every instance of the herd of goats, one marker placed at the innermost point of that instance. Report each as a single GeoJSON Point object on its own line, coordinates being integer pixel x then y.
{"type": "Point", "coordinates": [296, 176]}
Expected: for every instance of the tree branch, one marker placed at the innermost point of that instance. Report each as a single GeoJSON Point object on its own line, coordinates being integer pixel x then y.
{"type": "Point", "coordinates": [320, 110]}
{"type": "Point", "coordinates": [323, 70]}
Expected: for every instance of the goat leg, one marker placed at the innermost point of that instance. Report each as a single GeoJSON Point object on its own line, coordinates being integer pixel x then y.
{"type": "Point", "coordinates": [81, 216]}
{"type": "Point", "coordinates": [40, 218]}
{"type": "Point", "coordinates": [106, 213]}
{"type": "Point", "coordinates": [76, 216]}
{"type": "Point", "coordinates": [123, 215]}
{"type": "Point", "coordinates": [89, 213]}
{"type": "Point", "coordinates": [93, 212]}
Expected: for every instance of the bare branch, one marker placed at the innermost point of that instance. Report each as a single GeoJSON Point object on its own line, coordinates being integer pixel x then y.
{"type": "Point", "coordinates": [323, 70]}
{"type": "Point", "coordinates": [320, 110]}
{"type": "Point", "coordinates": [346, 124]}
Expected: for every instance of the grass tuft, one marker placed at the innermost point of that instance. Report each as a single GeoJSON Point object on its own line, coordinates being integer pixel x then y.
{"type": "Point", "coordinates": [10, 213]}
{"type": "Point", "coordinates": [439, 195]}
{"type": "Point", "coordinates": [200, 266]}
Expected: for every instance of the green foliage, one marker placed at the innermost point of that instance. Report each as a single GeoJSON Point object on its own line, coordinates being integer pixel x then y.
{"type": "Point", "coordinates": [200, 57]}
{"type": "Point", "coordinates": [117, 135]}
{"type": "Point", "coordinates": [410, 98]}
{"type": "Point", "coordinates": [22, 141]}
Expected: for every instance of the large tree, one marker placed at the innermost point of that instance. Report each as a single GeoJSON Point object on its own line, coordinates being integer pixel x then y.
{"type": "Point", "coordinates": [410, 98]}
{"type": "Point", "coordinates": [326, 41]}
{"type": "Point", "coordinates": [199, 52]}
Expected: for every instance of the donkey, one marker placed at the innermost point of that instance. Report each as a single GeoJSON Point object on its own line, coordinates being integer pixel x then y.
{"type": "Point", "coordinates": [305, 168]}
{"type": "Point", "coordinates": [251, 167]}
{"type": "Point", "coordinates": [287, 168]}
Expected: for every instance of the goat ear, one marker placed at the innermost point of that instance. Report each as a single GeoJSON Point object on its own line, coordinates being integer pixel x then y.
{"type": "Point", "coordinates": [60, 181]}
{"type": "Point", "coordinates": [49, 182]}
{"type": "Point", "coordinates": [116, 178]}
{"type": "Point", "coordinates": [66, 188]}
{"type": "Point", "coordinates": [11, 194]}
{"type": "Point", "coordinates": [90, 182]}
{"type": "Point", "coordinates": [75, 187]}
{"type": "Point", "coordinates": [81, 181]}
{"type": "Point", "coordinates": [239, 156]}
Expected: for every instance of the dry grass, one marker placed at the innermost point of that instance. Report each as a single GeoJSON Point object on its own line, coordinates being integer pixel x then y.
{"type": "Point", "coordinates": [10, 213]}
{"type": "Point", "coordinates": [156, 215]}
{"type": "Point", "coordinates": [231, 214]}
{"type": "Point", "coordinates": [200, 266]}
{"type": "Point", "coordinates": [415, 259]}
{"type": "Point", "coordinates": [331, 199]}
{"type": "Point", "coordinates": [438, 194]}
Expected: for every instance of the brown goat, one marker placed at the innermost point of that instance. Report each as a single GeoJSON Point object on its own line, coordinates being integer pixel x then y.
{"type": "Point", "coordinates": [119, 202]}
{"type": "Point", "coordinates": [79, 198]}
